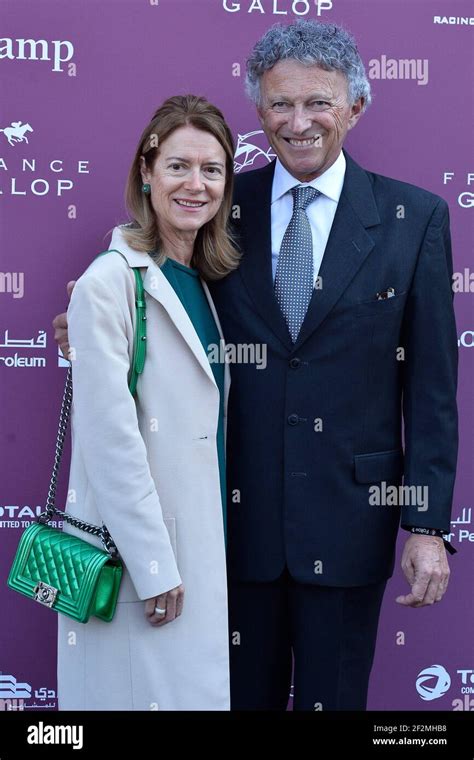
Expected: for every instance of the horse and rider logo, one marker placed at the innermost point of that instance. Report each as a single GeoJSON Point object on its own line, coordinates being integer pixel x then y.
{"type": "Point", "coordinates": [15, 133]}
{"type": "Point", "coordinates": [247, 151]}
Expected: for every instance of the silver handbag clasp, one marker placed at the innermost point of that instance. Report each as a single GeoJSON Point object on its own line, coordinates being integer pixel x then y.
{"type": "Point", "coordinates": [45, 594]}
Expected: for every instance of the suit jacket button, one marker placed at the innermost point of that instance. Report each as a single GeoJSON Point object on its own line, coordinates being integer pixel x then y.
{"type": "Point", "coordinates": [293, 419]}
{"type": "Point", "coordinates": [295, 362]}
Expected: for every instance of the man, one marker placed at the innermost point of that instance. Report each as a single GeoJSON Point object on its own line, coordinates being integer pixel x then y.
{"type": "Point", "coordinates": [346, 279]}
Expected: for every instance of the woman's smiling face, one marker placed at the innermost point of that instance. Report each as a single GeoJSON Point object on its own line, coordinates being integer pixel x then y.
{"type": "Point", "coordinates": [187, 180]}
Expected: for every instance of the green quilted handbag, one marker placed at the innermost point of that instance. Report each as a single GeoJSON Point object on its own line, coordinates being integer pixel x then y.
{"type": "Point", "coordinates": [62, 571]}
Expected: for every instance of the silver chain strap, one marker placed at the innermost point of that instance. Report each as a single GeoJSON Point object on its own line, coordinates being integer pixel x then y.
{"type": "Point", "coordinates": [51, 508]}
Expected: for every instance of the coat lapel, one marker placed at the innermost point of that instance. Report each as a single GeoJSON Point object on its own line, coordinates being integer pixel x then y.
{"type": "Point", "coordinates": [157, 286]}
{"type": "Point", "coordinates": [222, 341]}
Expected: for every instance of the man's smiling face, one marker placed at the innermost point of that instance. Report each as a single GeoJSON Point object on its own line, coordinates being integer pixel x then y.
{"type": "Point", "coordinates": [306, 115]}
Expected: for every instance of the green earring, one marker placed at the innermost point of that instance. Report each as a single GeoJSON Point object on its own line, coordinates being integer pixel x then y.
{"type": "Point", "coordinates": [146, 188]}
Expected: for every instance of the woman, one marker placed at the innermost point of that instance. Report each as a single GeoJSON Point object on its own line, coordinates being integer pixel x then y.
{"type": "Point", "coordinates": [152, 467]}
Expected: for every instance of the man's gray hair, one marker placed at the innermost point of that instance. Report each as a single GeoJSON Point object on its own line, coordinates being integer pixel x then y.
{"type": "Point", "coordinates": [310, 42]}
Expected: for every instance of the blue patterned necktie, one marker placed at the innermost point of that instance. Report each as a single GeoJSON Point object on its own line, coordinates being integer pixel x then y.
{"type": "Point", "coordinates": [294, 279]}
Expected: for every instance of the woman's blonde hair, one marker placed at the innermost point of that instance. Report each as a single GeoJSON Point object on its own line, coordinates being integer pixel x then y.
{"type": "Point", "coordinates": [215, 253]}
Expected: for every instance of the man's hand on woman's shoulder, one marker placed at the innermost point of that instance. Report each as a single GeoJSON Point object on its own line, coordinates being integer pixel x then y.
{"type": "Point", "coordinates": [60, 325]}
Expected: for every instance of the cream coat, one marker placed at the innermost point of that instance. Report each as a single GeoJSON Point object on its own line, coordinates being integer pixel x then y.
{"type": "Point", "coordinates": [149, 470]}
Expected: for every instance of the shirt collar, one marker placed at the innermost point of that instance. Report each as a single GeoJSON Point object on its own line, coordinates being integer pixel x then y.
{"type": "Point", "coordinates": [329, 184]}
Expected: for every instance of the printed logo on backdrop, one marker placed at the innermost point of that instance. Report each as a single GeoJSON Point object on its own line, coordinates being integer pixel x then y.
{"type": "Point", "coordinates": [21, 516]}
{"type": "Point", "coordinates": [19, 167]}
{"type": "Point", "coordinates": [454, 20]}
{"type": "Point", "coordinates": [248, 150]}
{"type": "Point", "coordinates": [28, 356]}
{"type": "Point", "coordinates": [15, 695]}
{"type": "Point", "coordinates": [465, 198]}
{"type": "Point", "coordinates": [16, 132]}
{"type": "Point", "coordinates": [466, 339]}
{"type": "Point", "coordinates": [434, 682]}
{"type": "Point", "coordinates": [463, 280]}
{"type": "Point", "coordinates": [465, 682]}
{"type": "Point", "coordinates": [464, 534]}
{"type": "Point", "coordinates": [56, 52]}
{"type": "Point", "coordinates": [278, 7]}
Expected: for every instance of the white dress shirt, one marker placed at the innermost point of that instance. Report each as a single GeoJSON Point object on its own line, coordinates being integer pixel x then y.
{"type": "Point", "coordinates": [320, 212]}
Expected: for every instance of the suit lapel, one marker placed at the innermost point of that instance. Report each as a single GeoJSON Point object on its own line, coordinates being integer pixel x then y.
{"type": "Point", "coordinates": [348, 246]}
{"type": "Point", "coordinates": [256, 264]}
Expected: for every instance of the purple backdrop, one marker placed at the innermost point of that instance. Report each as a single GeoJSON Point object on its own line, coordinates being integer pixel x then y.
{"type": "Point", "coordinates": [86, 92]}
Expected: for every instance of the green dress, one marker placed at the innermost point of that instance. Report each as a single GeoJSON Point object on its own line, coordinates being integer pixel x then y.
{"type": "Point", "coordinates": [188, 287]}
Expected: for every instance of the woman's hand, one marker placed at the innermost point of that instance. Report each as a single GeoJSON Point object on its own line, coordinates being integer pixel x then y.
{"type": "Point", "coordinates": [171, 604]}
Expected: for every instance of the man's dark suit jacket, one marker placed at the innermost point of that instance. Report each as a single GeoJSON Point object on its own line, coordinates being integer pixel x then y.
{"type": "Point", "coordinates": [299, 495]}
